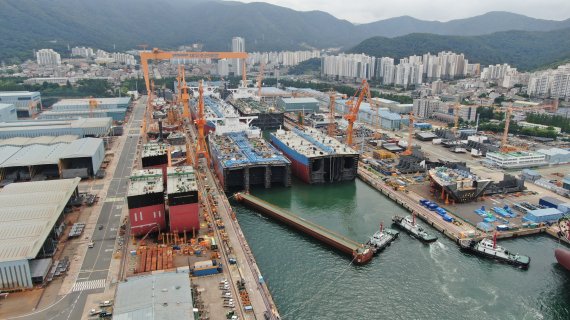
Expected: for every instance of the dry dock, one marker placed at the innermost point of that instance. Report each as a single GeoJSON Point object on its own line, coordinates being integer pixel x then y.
{"type": "Point", "coordinates": [359, 252]}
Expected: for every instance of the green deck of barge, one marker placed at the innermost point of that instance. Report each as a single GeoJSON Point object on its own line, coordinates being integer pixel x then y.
{"type": "Point", "coordinates": [322, 231]}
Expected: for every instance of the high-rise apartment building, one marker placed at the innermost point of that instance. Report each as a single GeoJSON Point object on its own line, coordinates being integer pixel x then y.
{"type": "Point", "coordinates": [238, 45]}
{"type": "Point", "coordinates": [48, 57]}
{"type": "Point", "coordinates": [350, 66]}
{"type": "Point", "coordinates": [82, 52]}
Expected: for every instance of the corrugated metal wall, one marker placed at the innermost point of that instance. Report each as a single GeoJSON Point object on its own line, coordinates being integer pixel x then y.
{"type": "Point", "coordinates": [15, 275]}
{"type": "Point", "coordinates": [98, 157]}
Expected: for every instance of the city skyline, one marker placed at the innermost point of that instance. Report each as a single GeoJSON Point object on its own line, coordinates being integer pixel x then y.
{"type": "Point", "coordinates": [360, 11]}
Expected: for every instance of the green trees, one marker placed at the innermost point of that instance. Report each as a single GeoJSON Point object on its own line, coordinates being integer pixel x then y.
{"type": "Point", "coordinates": [550, 120]}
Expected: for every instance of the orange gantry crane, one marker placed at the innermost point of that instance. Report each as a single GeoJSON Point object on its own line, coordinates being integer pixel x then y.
{"type": "Point", "coordinates": [200, 123]}
{"type": "Point", "coordinates": [354, 107]}
{"type": "Point", "coordinates": [157, 54]}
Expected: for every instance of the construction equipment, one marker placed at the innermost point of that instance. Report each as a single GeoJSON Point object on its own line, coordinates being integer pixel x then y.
{"type": "Point", "coordinates": [200, 121]}
{"type": "Point", "coordinates": [331, 126]}
{"type": "Point", "coordinates": [410, 135]}
{"type": "Point", "coordinates": [157, 54]}
{"type": "Point", "coordinates": [354, 107]}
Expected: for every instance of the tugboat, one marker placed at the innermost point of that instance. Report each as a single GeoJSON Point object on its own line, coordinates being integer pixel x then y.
{"type": "Point", "coordinates": [489, 248]}
{"type": "Point", "coordinates": [409, 225]}
{"type": "Point", "coordinates": [382, 238]}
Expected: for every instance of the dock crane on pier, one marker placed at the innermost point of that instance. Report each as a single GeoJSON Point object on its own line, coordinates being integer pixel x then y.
{"type": "Point", "coordinates": [354, 107]}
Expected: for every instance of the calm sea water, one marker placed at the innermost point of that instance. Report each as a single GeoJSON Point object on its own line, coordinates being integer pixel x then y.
{"type": "Point", "coordinates": [409, 280]}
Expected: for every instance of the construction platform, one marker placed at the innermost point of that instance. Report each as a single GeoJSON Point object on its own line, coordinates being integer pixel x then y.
{"type": "Point", "coordinates": [244, 159]}
{"type": "Point", "coordinates": [269, 117]}
{"type": "Point", "coordinates": [360, 253]}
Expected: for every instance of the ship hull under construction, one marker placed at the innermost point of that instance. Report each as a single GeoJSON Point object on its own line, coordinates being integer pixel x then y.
{"type": "Point", "coordinates": [319, 169]}
{"type": "Point", "coordinates": [243, 177]}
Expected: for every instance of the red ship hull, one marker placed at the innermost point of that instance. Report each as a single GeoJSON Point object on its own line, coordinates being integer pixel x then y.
{"type": "Point", "coordinates": [563, 257]}
{"type": "Point", "coordinates": [145, 219]}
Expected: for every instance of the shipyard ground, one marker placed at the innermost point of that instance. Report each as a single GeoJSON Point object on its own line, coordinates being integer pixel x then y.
{"type": "Point", "coordinates": [464, 212]}
{"type": "Point", "coordinates": [93, 272]}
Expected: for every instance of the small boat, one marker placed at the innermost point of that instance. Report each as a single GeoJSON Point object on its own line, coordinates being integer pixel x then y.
{"type": "Point", "coordinates": [409, 225]}
{"type": "Point", "coordinates": [489, 248]}
{"type": "Point", "coordinates": [382, 238]}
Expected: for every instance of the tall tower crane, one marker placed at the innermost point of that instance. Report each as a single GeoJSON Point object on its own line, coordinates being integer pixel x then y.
{"type": "Point", "coordinates": [504, 146]}
{"type": "Point", "coordinates": [184, 96]}
{"type": "Point", "coordinates": [200, 123]}
{"type": "Point", "coordinates": [354, 107]}
{"type": "Point", "coordinates": [410, 135]}
{"type": "Point", "coordinates": [332, 96]}
{"type": "Point", "coordinates": [260, 79]}
{"type": "Point", "coordinates": [456, 108]}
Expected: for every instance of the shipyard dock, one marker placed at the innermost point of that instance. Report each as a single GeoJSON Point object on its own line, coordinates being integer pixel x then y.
{"type": "Point", "coordinates": [359, 252]}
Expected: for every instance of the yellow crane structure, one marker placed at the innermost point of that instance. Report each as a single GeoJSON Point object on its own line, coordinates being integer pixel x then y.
{"type": "Point", "coordinates": [157, 54]}
{"type": "Point", "coordinates": [260, 79]}
{"type": "Point", "coordinates": [354, 106]}
{"type": "Point", "coordinates": [200, 121]}
{"type": "Point", "coordinates": [508, 113]}
{"type": "Point", "coordinates": [183, 93]}
{"type": "Point", "coordinates": [410, 135]}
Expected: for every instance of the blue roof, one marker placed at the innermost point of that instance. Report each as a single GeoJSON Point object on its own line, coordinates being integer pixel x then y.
{"type": "Point", "coordinates": [545, 212]}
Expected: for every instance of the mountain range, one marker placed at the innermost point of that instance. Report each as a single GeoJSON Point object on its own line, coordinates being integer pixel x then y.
{"type": "Point", "coordinates": [124, 24]}
{"type": "Point", "coordinates": [527, 50]}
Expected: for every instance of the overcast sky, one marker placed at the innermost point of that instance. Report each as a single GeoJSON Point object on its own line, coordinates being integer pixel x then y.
{"type": "Point", "coordinates": [360, 11]}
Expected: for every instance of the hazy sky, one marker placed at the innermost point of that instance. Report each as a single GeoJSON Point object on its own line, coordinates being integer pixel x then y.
{"type": "Point", "coordinates": [360, 11]}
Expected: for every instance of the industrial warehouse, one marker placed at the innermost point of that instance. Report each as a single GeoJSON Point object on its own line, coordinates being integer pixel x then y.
{"type": "Point", "coordinates": [30, 231]}
{"type": "Point", "coordinates": [42, 159]}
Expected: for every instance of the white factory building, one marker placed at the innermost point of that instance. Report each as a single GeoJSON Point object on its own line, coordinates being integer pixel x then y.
{"type": "Point", "coordinates": [514, 160]}
{"type": "Point", "coordinates": [26, 102]}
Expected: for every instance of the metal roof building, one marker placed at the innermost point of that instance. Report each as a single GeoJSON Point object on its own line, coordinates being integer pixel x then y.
{"type": "Point", "coordinates": [30, 229]}
{"type": "Point", "coordinates": [118, 114]}
{"type": "Point", "coordinates": [556, 155]}
{"type": "Point", "coordinates": [162, 296]}
{"type": "Point", "coordinates": [83, 104]}
{"type": "Point", "coordinates": [8, 112]}
{"type": "Point", "coordinates": [22, 100]}
{"type": "Point", "coordinates": [84, 127]}
{"type": "Point", "coordinates": [40, 161]}
{"type": "Point", "coordinates": [46, 140]}
{"type": "Point", "coordinates": [299, 104]}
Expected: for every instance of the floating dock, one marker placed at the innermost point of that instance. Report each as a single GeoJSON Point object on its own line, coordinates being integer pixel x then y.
{"type": "Point", "coordinates": [316, 157]}
{"type": "Point", "coordinates": [360, 253]}
{"type": "Point", "coordinates": [244, 159]}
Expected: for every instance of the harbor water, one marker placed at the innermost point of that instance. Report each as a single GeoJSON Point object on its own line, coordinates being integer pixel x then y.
{"type": "Point", "coordinates": [409, 280]}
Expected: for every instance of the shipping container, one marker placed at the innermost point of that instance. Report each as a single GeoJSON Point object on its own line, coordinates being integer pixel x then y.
{"type": "Point", "coordinates": [206, 271]}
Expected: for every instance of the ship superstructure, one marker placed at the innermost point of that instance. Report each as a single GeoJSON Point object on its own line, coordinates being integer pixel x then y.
{"type": "Point", "coordinates": [316, 157]}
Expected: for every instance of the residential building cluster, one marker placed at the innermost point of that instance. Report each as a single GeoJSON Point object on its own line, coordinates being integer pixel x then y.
{"type": "Point", "coordinates": [413, 70]}
{"type": "Point", "coordinates": [433, 107]}
{"type": "Point", "coordinates": [554, 83]}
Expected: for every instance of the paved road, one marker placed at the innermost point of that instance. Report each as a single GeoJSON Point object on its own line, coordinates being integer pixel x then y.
{"type": "Point", "coordinates": [95, 268]}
